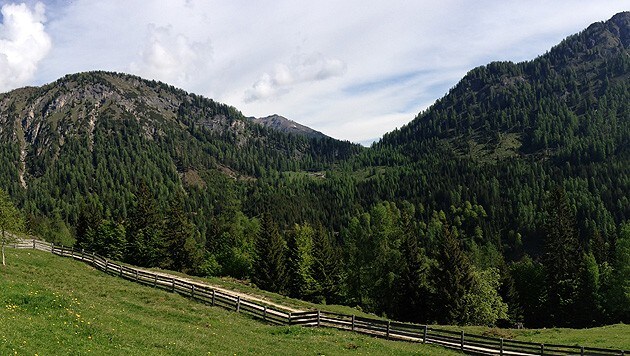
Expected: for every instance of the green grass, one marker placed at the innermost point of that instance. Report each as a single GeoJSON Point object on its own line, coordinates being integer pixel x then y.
{"type": "Point", "coordinates": [248, 288]}
{"type": "Point", "coordinates": [55, 306]}
{"type": "Point", "coordinates": [610, 336]}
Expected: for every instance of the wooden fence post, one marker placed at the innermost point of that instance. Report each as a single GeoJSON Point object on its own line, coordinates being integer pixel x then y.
{"type": "Point", "coordinates": [192, 291]}
{"type": "Point", "coordinates": [319, 316]}
{"type": "Point", "coordinates": [154, 280]}
{"type": "Point", "coordinates": [462, 341]}
{"type": "Point", "coordinates": [213, 292]}
{"type": "Point", "coordinates": [106, 263]}
{"type": "Point", "coordinates": [120, 271]}
{"type": "Point", "coordinates": [93, 258]}
{"type": "Point", "coordinates": [52, 247]}
{"type": "Point", "coordinates": [542, 349]}
{"type": "Point", "coordinates": [501, 351]}
{"type": "Point", "coordinates": [581, 350]}
{"type": "Point", "coordinates": [290, 319]}
{"type": "Point", "coordinates": [173, 283]}
{"type": "Point", "coordinates": [33, 244]}
{"type": "Point", "coordinates": [137, 275]}
{"type": "Point", "coordinates": [352, 322]}
{"type": "Point", "coordinates": [388, 328]}
{"type": "Point", "coordinates": [424, 336]}
{"type": "Point", "coordinates": [264, 308]}
{"type": "Point", "coordinates": [238, 304]}
{"type": "Point", "coordinates": [82, 254]}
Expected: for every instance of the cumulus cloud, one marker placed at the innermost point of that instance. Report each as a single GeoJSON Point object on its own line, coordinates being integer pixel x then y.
{"type": "Point", "coordinates": [172, 57]}
{"type": "Point", "coordinates": [301, 69]}
{"type": "Point", "coordinates": [23, 43]}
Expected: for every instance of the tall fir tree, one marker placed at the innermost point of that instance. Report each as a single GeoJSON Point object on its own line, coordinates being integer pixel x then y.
{"type": "Point", "coordinates": [561, 259]}
{"type": "Point", "coordinates": [184, 248]}
{"type": "Point", "coordinates": [413, 288]}
{"type": "Point", "coordinates": [145, 243]}
{"type": "Point", "coordinates": [270, 267]}
{"type": "Point", "coordinates": [300, 262]}
{"type": "Point", "coordinates": [327, 266]}
{"type": "Point", "coordinates": [452, 279]}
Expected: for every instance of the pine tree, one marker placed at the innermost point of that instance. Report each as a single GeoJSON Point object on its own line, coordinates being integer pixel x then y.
{"type": "Point", "coordinates": [300, 262]}
{"type": "Point", "coordinates": [327, 266]}
{"type": "Point", "coordinates": [561, 259]}
{"type": "Point", "coordinates": [145, 243]}
{"type": "Point", "coordinates": [413, 289]}
{"type": "Point", "coordinates": [452, 279]}
{"type": "Point", "coordinates": [184, 249]}
{"type": "Point", "coordinates": [270, 267]}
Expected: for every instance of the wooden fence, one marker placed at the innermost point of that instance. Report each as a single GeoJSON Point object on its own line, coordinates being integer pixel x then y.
{"type": "Point", "coordinates": [467, 343]}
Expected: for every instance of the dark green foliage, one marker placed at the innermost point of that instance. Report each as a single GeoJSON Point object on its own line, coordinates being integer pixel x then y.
{"type": "Point", "coordinates": [183, 247]}
{"type": "Point", "coordinates": [300, 262]}
{"type": "Point", "coordinates": [271, 257]}
{"type": "Point", "coordinates": [414, 287]}
{"type": "Point", "coordinates": [327, 267]}
{"type": "Point", "coordinates": [453, 280]}
{"type": "Point", "coordinates": [146, 244]}
{"type": "Point", "coordinates": [188, 177]}
{"type": "Point", "coordinates": [561, 259]}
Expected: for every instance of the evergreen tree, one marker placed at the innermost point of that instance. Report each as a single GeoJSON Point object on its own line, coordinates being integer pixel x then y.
{"type": "Point", "coordinates": [90, 218]}
{"type": "Point", "coordinates": [301, 262]}
{"type": "Point", "coordinates": [413, 288]}
{"type": "Point", "coordinates": [111, 240]}
{"type": "Point", "coordinates": [327, 266]}
{"type": "Point", "coordinates": [145, 240]}
{"type": "Point", "coordinates": [184, 249]}
{"type": "Point", "coordinates": [270, 266]}
{"type": "Point", "coordinates": [452, 279]}
{"type": "Point", "coordinates": [561, 259]}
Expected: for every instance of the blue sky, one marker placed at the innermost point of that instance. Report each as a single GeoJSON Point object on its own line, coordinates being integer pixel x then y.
{"type": "Point", "coordinates": [351, 69]}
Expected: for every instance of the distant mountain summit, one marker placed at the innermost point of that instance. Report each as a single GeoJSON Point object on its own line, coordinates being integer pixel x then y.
{"type": "Point", "coordinates": [567, 103]}
{"type": "Point", "coordinates": [283, 124]}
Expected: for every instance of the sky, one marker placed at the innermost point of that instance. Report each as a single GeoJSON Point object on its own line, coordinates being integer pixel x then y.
{"type": "Point", "coordinates": [351, 69]}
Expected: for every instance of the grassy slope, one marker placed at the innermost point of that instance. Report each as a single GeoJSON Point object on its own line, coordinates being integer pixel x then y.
{"type": "Point", "coordinates": [611, 336]}
{"type": "Point", "coordinates": [51, 305]}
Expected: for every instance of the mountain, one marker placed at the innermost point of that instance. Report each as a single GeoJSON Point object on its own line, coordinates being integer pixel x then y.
{"type": "Point", "coordinates": [550, 106]}
{"type": "Point", "coordinates": [283, 124]}
{"type": "Point", "coordinates": [512, 189]}
{"type": "Point", "coordinates": [102, 134]}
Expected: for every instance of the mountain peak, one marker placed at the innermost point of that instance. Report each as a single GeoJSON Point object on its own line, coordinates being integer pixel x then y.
{"type": "Point", "coordinates": [283, 124]}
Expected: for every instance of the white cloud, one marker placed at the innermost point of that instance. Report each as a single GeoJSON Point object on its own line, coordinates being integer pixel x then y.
{"type": "Point", "coordinates": [349, 70]}
{"type": "Point", "coordinates": [23, 44]}
{"type": "Point", "coordinates": [172, 57]}
{"type": "Point", "coordinates": [301, 69]}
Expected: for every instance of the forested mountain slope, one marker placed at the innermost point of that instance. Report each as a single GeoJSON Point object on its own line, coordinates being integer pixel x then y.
{"type": "Point", "coordinates": [507, 199]}
{"type": "Point", "coordinates": [506, 133]}
{"type": "Point", "coordinates": [101, 134]}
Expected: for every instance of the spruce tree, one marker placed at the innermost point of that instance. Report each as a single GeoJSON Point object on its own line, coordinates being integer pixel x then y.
{"type": "Point", "coordinates": [270, 267]}
{"type": "Point", "coordinates": [327, 266]}
{"type": "Point", "coordinates": [300, 262]}
{"type": "Point", "coordinates": [452, 279]}
{"type": "Point", "coordinates": [184, 249]}
{"type": "Point", "coordinates": [145, 243]}
{"type": "Point", "coordinates": [561, 259]}
{"type": "Point", "coordinates": [413, 292]}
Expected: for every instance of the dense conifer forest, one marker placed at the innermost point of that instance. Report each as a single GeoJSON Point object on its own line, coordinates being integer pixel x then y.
{"type": "Point", "coordinates": [506, 201]}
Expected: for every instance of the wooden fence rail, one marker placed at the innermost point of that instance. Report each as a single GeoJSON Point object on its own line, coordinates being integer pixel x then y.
{"type": "Point", "coordinates": [468, 343]}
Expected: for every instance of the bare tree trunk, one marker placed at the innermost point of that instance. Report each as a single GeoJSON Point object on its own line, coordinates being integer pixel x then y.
{"type": "Point", "coordinates": [3, 241]}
